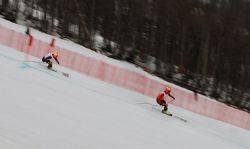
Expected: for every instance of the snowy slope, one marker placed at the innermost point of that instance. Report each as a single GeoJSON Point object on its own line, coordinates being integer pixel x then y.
{"type": "Point", "coordinates": [44, 110]}
{"type": "Point", "coordinates": [60, 43]}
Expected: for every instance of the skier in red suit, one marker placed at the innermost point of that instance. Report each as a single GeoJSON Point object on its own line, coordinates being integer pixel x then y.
{"type": "Point", "coordinates": [161, 98]}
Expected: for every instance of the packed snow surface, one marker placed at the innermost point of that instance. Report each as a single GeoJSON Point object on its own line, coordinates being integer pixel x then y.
{"type": "Point", "coordinates": [42, 109]}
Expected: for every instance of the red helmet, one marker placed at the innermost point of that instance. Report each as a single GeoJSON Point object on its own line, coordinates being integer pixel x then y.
{"type": "Point", "coordinates": [55, 54]}
{"type": "Point", "coordinates": [167, 90]}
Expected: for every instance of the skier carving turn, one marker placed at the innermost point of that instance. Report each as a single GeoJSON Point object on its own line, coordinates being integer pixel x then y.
{"type": "Point", "coordinates": [162, 98]}
{"type": "Point", "coordinates": [47, 58]}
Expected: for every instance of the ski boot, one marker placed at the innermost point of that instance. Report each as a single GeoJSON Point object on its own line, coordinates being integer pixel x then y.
{"type": "Point", "coordinates": [165, 111]}
{"type": "Point", "coordinates": [49, 65]}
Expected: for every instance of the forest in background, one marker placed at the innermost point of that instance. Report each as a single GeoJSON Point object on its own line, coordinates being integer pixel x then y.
{"type": "Point", "coordinates": [202, 45]}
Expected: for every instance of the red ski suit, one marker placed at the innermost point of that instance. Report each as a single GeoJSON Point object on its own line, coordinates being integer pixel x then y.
{"type": "Point", "coordinates": [161, 98]}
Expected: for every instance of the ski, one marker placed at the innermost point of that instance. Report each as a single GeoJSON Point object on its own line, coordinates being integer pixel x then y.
{"type": "Point", "coordinates": [60, 72]}
{"type": "Point", "coordinates": [54, 70]}
{"type": "Point", "coordinates": [174, 116]}
{"type": "Point", "coordinates": [167, 113]}
{"type": "Point", "coordinates": [179, 118]}
{"type": "Point", "coordinates": [154, 106]}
